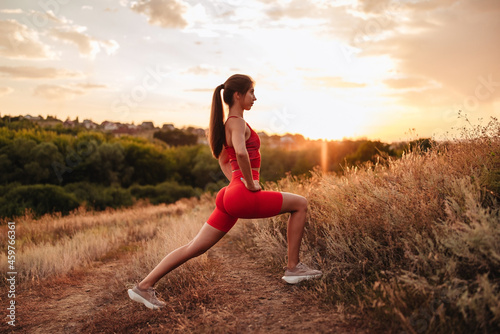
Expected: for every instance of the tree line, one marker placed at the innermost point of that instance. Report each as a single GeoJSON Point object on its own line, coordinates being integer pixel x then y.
{"type": "Point", "coordinates": [59, 169]}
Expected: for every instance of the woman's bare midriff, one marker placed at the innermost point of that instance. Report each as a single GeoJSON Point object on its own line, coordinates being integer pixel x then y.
{"type": "Point", "coordinates": [255, 169]}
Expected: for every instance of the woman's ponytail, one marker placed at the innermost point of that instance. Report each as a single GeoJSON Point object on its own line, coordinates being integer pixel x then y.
{"type": "Point", "coordinates": [217, 134]}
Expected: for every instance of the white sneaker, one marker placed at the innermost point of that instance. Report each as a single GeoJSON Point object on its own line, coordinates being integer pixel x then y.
{"type": "Point", "coordinates": [147, 297]}
{"type": "Point", "coordinates": [300, 273]}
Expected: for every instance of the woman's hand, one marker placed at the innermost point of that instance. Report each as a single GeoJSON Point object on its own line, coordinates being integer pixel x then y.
{"type": "Point", "coordinates": [254, 186]}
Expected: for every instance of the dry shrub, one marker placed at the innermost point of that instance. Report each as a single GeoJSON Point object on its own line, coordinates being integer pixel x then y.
{"type": "Point", "coordinates": [414, 242]}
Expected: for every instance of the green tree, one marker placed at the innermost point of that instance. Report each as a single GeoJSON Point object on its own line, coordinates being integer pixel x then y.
{"type": "Point", "coordinates": [205, 168]}
{"type": "Point", "coordinates": [184, 160]}
{"type": "Point", "coordinates": [40, 169]}
{"type": "Point", "coordinates": [108, 162]}
{"type": "Point", "coordinates": [6, 168]}
{"type": "Point", "coordinates": [369, 151]}
{"type": "Point", "coordinates": [176, 137]}
{"type": "Point", "coordinates": [150, 165]}
{"type": "Point", "coordinates": [19, 155]}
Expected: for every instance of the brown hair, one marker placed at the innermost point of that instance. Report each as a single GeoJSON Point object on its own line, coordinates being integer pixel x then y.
{"type": "Point", "coordinates": [236, 83]}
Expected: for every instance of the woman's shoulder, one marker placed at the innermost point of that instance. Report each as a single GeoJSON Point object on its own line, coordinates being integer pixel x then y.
{"type": "Point", "coordinates": [234, 122]}
{"type": "Point", "coordinates": [237, 127]}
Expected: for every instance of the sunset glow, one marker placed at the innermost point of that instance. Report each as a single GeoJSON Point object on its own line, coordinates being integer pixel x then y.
{"type": "Point", "coordinates": [325, 69]}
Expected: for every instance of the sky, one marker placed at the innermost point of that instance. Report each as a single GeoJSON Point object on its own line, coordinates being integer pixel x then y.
{"type": "Point", "coordinates": [325, 69]}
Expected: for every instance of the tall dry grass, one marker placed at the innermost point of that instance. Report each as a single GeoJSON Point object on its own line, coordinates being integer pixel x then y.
{"type": "Point", "coordinates": [414, 242]}
{"type": "Point", "coordinates": [55, 245]}
{"type": "Point", "coordinates": [137, 238]}
{"type": "Point", "coordinates": [182, 229]}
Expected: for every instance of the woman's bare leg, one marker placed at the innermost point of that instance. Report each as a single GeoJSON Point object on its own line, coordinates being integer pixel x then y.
{"type": "Point", "coordinates": [297, 206]}
{"type": "Point", "coordinates": [204, 240]}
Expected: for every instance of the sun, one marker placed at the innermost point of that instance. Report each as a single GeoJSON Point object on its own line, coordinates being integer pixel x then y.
{"type": "Point", "coordinates": [334, 122]}
{"type": "Point", "coordinates": [336, 129]}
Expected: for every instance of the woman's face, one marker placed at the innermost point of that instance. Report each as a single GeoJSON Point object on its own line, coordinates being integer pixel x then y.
{"type": "Point", "coordinates": [249, 98]}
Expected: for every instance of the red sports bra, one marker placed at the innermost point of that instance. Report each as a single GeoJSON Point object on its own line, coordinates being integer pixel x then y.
{"type": "Point", "coordinates": [252, 145]}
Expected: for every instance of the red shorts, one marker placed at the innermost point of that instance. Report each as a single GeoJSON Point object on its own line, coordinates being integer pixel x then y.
{"type": "Point", "coordinates": [236, 201]}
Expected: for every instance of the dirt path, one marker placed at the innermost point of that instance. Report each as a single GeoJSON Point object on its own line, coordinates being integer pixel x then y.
{"type": "Point", "coordinates": [245, 298]}
{"type": "Point", "coordinates": [269, 305]}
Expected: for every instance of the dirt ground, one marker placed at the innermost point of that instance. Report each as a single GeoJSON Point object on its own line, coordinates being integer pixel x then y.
{"type": "Point", "coordinates": [244, 298]}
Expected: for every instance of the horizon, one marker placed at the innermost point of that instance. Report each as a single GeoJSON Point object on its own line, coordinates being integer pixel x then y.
{"type": "Point", "coordinates": [349, 69]}
{"type": "Point", "coordinates": [411, 136]}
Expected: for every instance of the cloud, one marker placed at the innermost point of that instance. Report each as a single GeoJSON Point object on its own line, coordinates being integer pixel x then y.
{"type": "Point", "coordinates": [222, 8]}
{"type": "Point", "coordinates": [5, 91]}
{"type": "Point", "coordinates": [452, 43]}
{"type": "Point", "coordinates": [200, 90]}
{"type": "Point", "coordinates": [202, 70]}
{"type": "Point", "coordinates": [57, 92]}
{"type": "Point", "coordinates": [295, 9]}
{"type": "Point", "coordinates": [88, 86]}
{"type": "Point", "coordinates": [87, 45]}
{"type": "Point", "coordinates": [19, 41]}
{"type": "Point", "coordinates": [430, 5]}
{"type": "Point", "coordinates": [30, 72]}
{"type": "Point", "coordinates": [50, 15]}
{"type": "Point", "coordinates": [325, 17]}
{"type": "Point", "coordinates": [407, 83]}
{"type": "Point", "coordinates": [426, 98]}
{"type": "Point", "coordinates": [332, 82]}
{"type": "Point", "coordinates": [11, 11]}
{"type": "Point", "coordinates": [163, 13]}
{"type": "Point", "coordinates": [64, 92]}
{"type": "Point", "coordinates": [371, 6]}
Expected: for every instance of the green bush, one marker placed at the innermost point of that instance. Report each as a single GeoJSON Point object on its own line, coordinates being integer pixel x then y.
{"type": "Point", "coordinates": [117, 197]}
{"type": "Point", "coordinates": [39, 198]}
{"type": "Point", "coordinates": [99, 197]}
{"type": "Point", "coordinates": [166, 192]}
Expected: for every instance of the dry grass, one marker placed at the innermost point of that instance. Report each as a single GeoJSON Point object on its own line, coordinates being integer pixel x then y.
{"type": "Point", "coordinates": [64, 250]}
{"type": "Point", "coordinates": [179, 231]}
{"type": "Point", "coordinates": [188, 289]}
{"type": "Point", "coordinates": [55, 245]}
{"type": "Point", "coordinates": [414, 242]}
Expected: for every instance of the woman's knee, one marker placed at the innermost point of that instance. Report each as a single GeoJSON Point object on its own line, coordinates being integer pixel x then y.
{"type": "Point", "coordinates": [293, 202]}
{"type": "Point", "coordinates": [302, 203]}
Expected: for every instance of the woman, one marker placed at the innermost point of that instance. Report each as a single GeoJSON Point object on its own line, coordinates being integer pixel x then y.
{"type": "Point", "coordinates": [236, 146]}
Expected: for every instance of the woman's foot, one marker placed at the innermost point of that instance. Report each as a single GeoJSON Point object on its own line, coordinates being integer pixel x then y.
{"type": "Point", "coordinates": [147, 297]}
{"type": "Point", "coordinates": [300, 273]}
